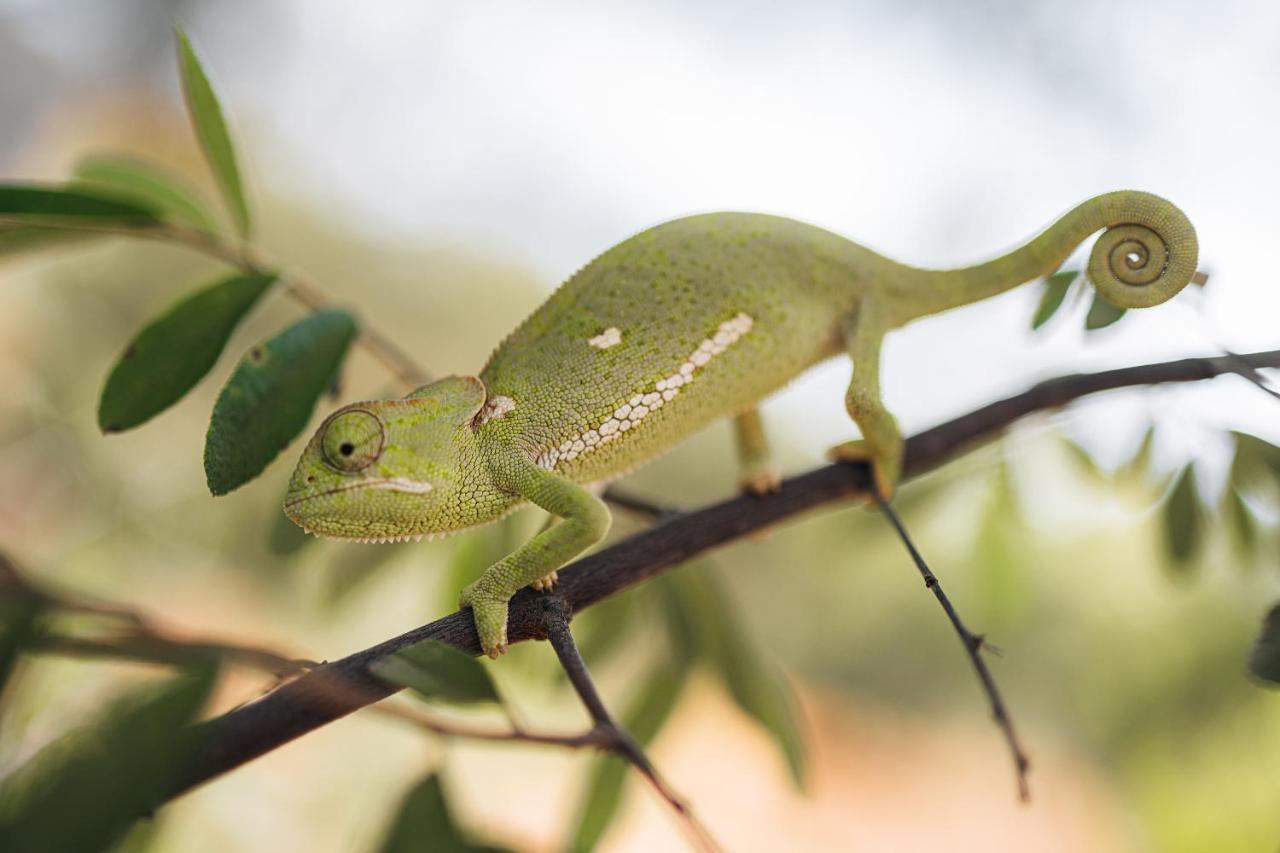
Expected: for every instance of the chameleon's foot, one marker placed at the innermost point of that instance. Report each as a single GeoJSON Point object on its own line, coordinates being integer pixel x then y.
{"type": "Point", "coordinates": [886, 467]}
{"type": "Point", "coordinates": [546, 582]}
{"type": "Point", "coordinates": [490, 616]}
{"type": "Point", "coordinates": [761, 482]}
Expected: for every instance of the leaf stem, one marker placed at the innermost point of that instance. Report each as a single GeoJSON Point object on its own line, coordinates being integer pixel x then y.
{"type": "Point", "coordinates": [252, 260]}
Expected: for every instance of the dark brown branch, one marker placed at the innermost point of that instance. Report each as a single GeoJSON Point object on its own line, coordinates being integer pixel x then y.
{"type": "Point", "coordinates": [973, 646]}
{"type": "Point", "coordinates": [311, 701]}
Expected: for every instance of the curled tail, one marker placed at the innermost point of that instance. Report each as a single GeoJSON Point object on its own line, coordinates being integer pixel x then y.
{"type": "Point", "coordinates": [1147, 253]}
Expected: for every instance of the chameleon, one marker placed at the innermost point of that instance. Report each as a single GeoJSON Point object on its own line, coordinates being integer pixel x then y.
{"type": "Point", "coordinates": [693, 320]}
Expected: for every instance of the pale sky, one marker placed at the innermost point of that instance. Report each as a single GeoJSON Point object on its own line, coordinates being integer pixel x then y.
{"type": "Point", "coordinates": [937, 133]}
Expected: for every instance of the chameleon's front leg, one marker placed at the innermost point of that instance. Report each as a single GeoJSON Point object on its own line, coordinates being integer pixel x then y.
{"type": "Point", "coordinates": [756, 463]}
{"type": "Point", "coordinates": [881, 444]}
{"type": "Point", "coordinates": [585, 522]}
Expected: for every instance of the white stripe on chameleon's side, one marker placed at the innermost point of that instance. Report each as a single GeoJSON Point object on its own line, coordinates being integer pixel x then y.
{"type": "Point", "coordinates": [611, 336]}
{"type": "Point", "coordinates": [630, 413]}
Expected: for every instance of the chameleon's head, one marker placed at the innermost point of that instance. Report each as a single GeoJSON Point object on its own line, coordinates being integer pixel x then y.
{"type": "Point", "coordinates": [393, 469]}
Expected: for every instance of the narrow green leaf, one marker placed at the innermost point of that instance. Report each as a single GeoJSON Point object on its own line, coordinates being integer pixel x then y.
{"type": "Point", "coordinates": [354, 564]}
{"type": "Point", "coordinates": [285, 538]}
{"type": "Point", "coordinates": [145, 183]}
{"type": "Point", "coordinates": [1102, 314]}
{"type": "Point", "coordinates": [1140, 465]}
{"type": "Point", "coordinates": [84, 791]}
{"type": "Point", "coordinates": [1055, 291]}
{"type": "Point", "coordinates": [1256, 461]}
{"type": "Point", "coordinates": [438, 671]}
{"type": "Point", "coordinates": [20, 239]}
{"type": "Point", "coordinates": [175, 350]}
{"type": "Point", "coordinates": [35, 201]}
{"type": "Point", "coordinates": [19, 617]}
{"type": "Point", "coordinates": [424, 823]}
{"type": "Point", "coordinates": [1183, 519]}
{"type": "Point", "coordinates": [1083, 459]}
{"type": "Point", "coordinates": [270, 397]}
{"type": "Point", "coordinates": [1264, 659]}
{"type": "Point", "coordinates": [700, 600]}
{"type": "Point", "coordinates": [211, 131]}
{"type": "Point", "coordinates": [1243, 524]}
{"type": "Point", "coordinates": [657, 697]}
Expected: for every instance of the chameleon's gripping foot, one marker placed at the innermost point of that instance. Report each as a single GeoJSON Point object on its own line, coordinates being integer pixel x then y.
{"type": "Point", "coordinates": [490, 615]}
{"type": "Point", "coordinates": [886, 467]}
{"type": "Point", "coordinates": [761, 482]}
{"type": "Point", "coordinates": [546, 583]}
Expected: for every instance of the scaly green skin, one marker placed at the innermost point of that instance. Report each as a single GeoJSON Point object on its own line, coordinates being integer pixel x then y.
{"type": "Point", "coordinates": [693, 320]}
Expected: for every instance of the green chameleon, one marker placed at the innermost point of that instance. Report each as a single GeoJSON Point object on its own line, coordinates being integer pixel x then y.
{"type": "Point", "coordinates": [689, 321]}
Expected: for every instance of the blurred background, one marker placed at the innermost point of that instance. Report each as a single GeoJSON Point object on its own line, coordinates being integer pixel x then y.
{"type": "Point", "coordinates": [441, 167]}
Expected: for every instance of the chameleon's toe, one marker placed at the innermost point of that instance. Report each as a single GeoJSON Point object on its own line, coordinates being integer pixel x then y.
{"type": "Point", "coordinates": [490, 615]}
{"type": "Point", "coordinates": [886, 467]}
{"type": "Point", "coordinates": [546, 583]}
{"type": "Point", "coordinates": [761, 482]}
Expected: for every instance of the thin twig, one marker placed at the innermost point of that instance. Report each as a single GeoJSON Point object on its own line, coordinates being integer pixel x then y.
{"type": "Point", "coordinates": [251, 260]}
{"type": "Point", "coordinates": [636, 505]}
{"type": "Point", "coordinates": [622, 744]}
{"type": "Point", "coordinates": [973, 645]}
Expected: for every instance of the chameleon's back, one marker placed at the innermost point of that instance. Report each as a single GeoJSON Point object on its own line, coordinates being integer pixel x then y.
{"type": "Point", "coordinates": [685, 323]}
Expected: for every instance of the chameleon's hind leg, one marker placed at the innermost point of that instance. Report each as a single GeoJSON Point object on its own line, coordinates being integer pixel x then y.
{"type": "Point", "coordinates": [756, 463]}
{"type": "Point", "coordinates": [881, 444]}
{"type": "Point", "coordinates": [547, 582]}
{"type": "Point", "coordinates": [585, 520]}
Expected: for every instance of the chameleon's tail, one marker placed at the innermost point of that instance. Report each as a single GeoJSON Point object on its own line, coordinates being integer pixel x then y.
{"type": "Point", "coordinates": [1146, 254]}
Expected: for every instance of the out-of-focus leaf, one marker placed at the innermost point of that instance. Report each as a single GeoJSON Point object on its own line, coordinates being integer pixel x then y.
{"type": "Point", "coordinates": [356, 563]}
{"type": "Point", "coordinates": [656, 698]}
{"type": "Point", "coordinates": [1102, 314]}
{"type": "Point", "coordinates": [1055, 291]}
{"type": "Point", "coordinates": [1183, 519]}
{"type": "Point", "coordinates": [602, 628]}
{"type": "Point", "coordinates": [1001, 580]}
{"type": "Point", "coordinates": [1244, 527]}
{"type": "Point", "coordinates": [1083, 459]}
{"type": "Point", "coordinates": [476, 551]}
{"type": "Point", "coordinates": [19, 616]}
{"type": "Point", "coordinates": [35, 201]}
{"type": "Point", "coordinates": [438, 671]}
{"type": "Point", "coordinates": [424, 823]}
{"type": "Point", "coordinates": [19, 239]}
{"type": "Point", "coordinates": [270, 397]}
{"type": "Point", "coordinates": [285, 538]}
{"type": "Point", "coordinates": [211, 131]}
{"type": "Point", "coordinates": [175, 350]}
{"type": "Point", "coordinates": [700, 615]}
{"type": "Point", "coordinates": [1264, 658]}
{"type": "Point", "coordinates": [148, 184]}
{"type": "Point", "coordinates": [1256, 461]}
{"type": "Point", "coordinates": [82, 793]}
{"type": "Point", "coordinates": [1140, 465]}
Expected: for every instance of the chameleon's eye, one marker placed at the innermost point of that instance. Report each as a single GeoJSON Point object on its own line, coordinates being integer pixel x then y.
{"type": "Point", "coordinates": [352, 440]}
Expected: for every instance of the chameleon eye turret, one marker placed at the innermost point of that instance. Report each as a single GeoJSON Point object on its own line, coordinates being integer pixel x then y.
{"type": "Point", "coordinates": [352, 440]}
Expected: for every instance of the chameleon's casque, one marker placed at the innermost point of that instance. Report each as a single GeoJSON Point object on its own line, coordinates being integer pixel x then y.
{"type": "Point", "coordinates": [690, 321]}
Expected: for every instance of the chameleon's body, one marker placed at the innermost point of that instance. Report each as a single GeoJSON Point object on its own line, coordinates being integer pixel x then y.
{"type": "Point", "coordinates": [685, 323]}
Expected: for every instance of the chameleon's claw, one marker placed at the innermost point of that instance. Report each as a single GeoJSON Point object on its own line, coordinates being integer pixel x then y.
{"type": "Point", "coordinates": [490, 616]}
{"type": "Point", "coordinates": [886, 467]}
{"type": "Point", "coordinates": [546, 583]}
